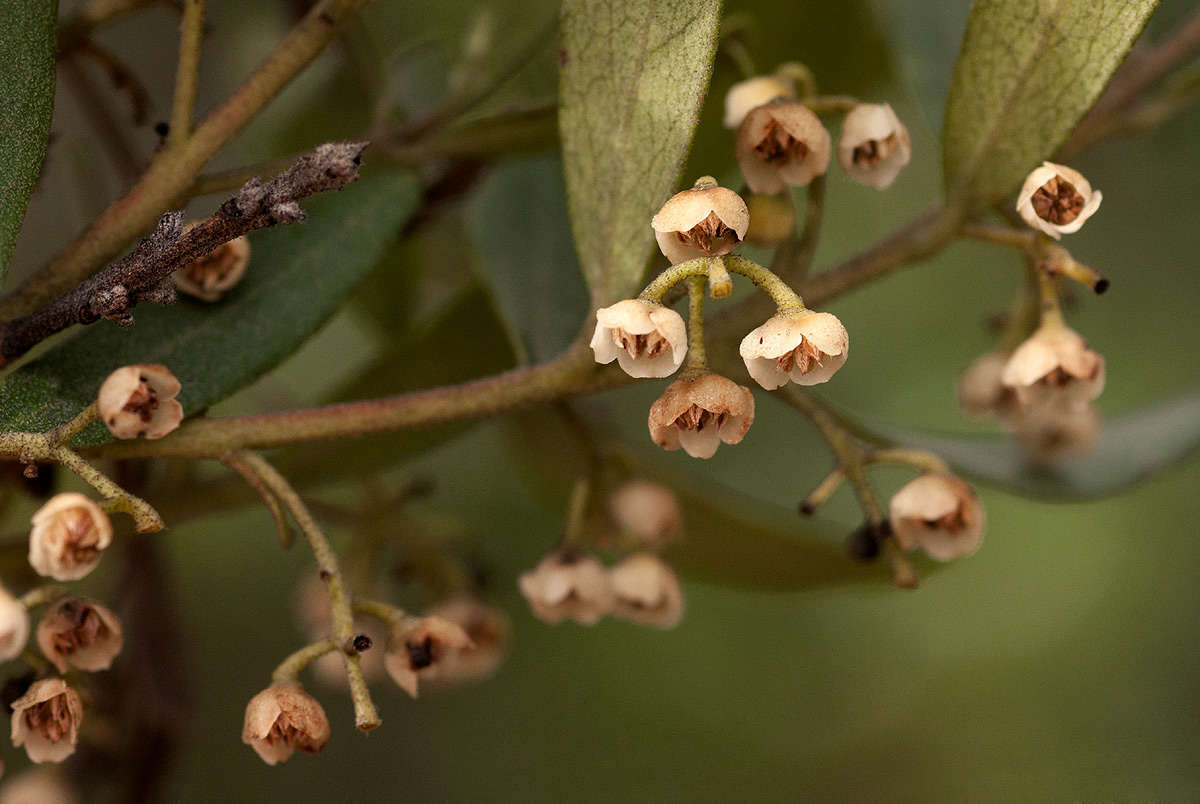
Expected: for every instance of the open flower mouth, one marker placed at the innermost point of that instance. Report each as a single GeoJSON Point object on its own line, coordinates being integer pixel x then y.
{"type": "Point", "coordinates": [805, 357]}
{"type": "Point", "coordinates": [872, 152]}
{"type": "Point", "coordinates": [51, 719]}
{"type": "Point", "coordinates": [143, 401]}
{"type": "Point", "coordinates": [697, 418]}
{"type": "Point", "coordinates": [1058, 202]}
{"type": "Point", "coordinates": [778, 147]}
{"type": "Point", "coordinates": [710, 236]}
{"type": "Point", "coordinates": [650, 344]}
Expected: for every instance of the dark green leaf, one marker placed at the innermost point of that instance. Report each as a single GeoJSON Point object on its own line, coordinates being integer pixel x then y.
{"type": "Point", "coordinates": [298, 277]}
{"type": "Point", "coordinates": [1130, 448]}
{"type": "Point", "coordinates": [27, 90]}
{"type": "Point", "coordinates": [1027, 72]}
{"type": "Point", "coordinates": [519, 223]}
{"type": "Point", "coordinates": [633, 78]}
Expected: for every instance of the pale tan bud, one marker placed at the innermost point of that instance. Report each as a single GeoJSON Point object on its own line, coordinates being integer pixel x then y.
{"type": "Point", "coordinates": [781, 144]}
{"type": "Point", "coordinates": [1051, 433]}
{"type": "Point", "coordinates": [488, 630]}
{"type": "Point", "coordinates": [705, 221]}
{"type": "Point", "coordinates": [46, 720]}
{"type": "Point", "coordinates": [981, 389]}
{"type": "Point", "coordinates": [647, 591]}
{"type": "Point", "coordinates": [938, 513]}
{"type": "Point", "coordinates": [645, 338]}
{"type": "Point", "coordinates": [14, 626]}
{"type": "Point", "coordinates": [1057, 200]}
{"type": "Point", "coordinates": [772, 219]}
{"type": "Point", "coordinates": [281, 719]}
{"type": "Point", "coordinates": [874, 146]}
{"type": "Point", "coordinates": [38, 786]}
{"type": "Point", "coordinates": [1055, 366]}
{"type": "Point", "coordinates": [418, 649]}
{"type": "Point", "coordinates": [139, 401]}
{"type": "Point", "coordinates": [568, 585]}
{"type": "Point", "coordinates": [648, 512]}
{"type": "Point", "coordinates": [753, 92]}
{"type": "Point", "coordinates": [806, 348]}
{"type": "Point", "coordinates": [699, 414]}
{"type": "Point", "coordinates": [79, 632]}
{"type": "Point", "coordinates": [210, 276]}
{"type": "Point", "coordinates": [69, 533]}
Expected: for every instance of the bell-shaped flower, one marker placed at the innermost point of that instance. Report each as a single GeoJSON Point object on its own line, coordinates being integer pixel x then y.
{"type": "Point", "coordinates": [69, 534]}
{"type": "Point", "coordinates": [568, 584]}
{"type": "Point", "coordinates": [981, 389]}
{"type": "Point", "coordinates": [645, 338]}
{"type": "Point", "coordinates": [781, 144]}
{"type": "Point", "coordinates": [488, 631]}
{"type": "Point", "coordinates": [705, 221]}
{"type": "Point", "coordinates": [699, 414]}
{"type": "Point", "coordinates": [938, 513]}
{"type": "Point", "coordinates": [647, 591]}
{"type": "Point", "coordinates": [283, 718]}
{"type": "Point", "coordinates": [418, 648]}
{"type": "Point", "coordinates": [1057, 200]}
{"type": "Point", "coordinates": [874, 145]}
{"type": "Point", "coordinates": [216, 272]}
{"type": "Point", "coordinates": [804, 347]}
{"type": "Point", "coordinates": [79, 632]}
{"type": "Point", "coordinates": [753, 92]}
{"type": "Point", "coordinates": [646, 512]}
{"type": "Point", "coordinates": [1055, 366]}
{"type": "Point", "coordinates": [139, 401]}
{"type": "Point", "coordinates": [46, 720]}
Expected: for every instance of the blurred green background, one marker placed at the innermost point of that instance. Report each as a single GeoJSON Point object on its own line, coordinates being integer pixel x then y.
{"type": "Point", "coordinates": [1059, 662]}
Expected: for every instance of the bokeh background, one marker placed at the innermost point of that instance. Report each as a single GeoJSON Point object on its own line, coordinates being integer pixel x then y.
{"type": "Point", "coordinates": [1060, 662]}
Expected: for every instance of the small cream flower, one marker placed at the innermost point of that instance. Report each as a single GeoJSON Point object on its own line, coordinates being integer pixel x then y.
{"type": "Point", "coordinates": [79, 632]}
{"type": "Point", "coordinates": [1057, 200]}
{"type": "Point", "coordinates": [46, 720]}
{"type": "Point", "coordinates": [699, 414]}
{"type": "Point", "coordinates": [1055, 366]}
{"type": "Point", "coordinates": [805, 347]}
{"type": "Point", "coordinates": [418, 649]}
{"type": "Point", "coordinates": [137, 401]}
{"type": "Point", "coordinates": [645, 338]}
{"type": "Point", "coordinates": [1050, 433]}
{"type": "Point", "coordinates": [874, 145]}
{"type": "Point", "coordinates": [981, 390]}
{"type": "Point", "coordinates": [210, 276]}
{"type": "Point", "coordinates": [705, 221]}
{"type": "Point", "coordinates": [486, 627]}
{"type": "Point", "coordinates": [69, 533]}
{"type": "Point", "coordinates": [938, 513]}
{"type": "Point", "coordinates": [38, 786]}
{"type": "Point", "coordinates": [647, 591]}
{"type": "Point", "coordinates": [14, 626]}
{"type": "Point", "coordinates": [753, 92]}
{"type": "Point", "coordinates": [648, 512]}
{"type": "Point", "coordinates": [781, 144]}
{"type": "Point", "coordinates": [281, 719]}
{"type": "Point", "coordinates": [568, 585]}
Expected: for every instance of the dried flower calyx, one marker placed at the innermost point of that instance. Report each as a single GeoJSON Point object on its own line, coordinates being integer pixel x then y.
{"type": "Point", "coordinates": [1057, 200]}
{"type": "Point", "coordinates": [69, 533]}
{"type": "Point", "coordinates": [874, 145]}
{"type": "Point", "coordinates": [419, 649]}
{"type": "Point", "coordinates": [700, 413]}
{"type": "Point", "coordinates": [804, 347]}
{"type": "Point", "coordinates": [781, 144]}
{"type": "Point", "coordinates": [568, 584]}
{"type": "Point", "coordinates": [46, 720]}
{"type": "Point", "coordinates": [79, 632]}
{"type": "Point", "coordinates": [645, 338]}
{"type": "Point", "coordinates": [705, 221]}
{"type": "Point", "coordinates": [139, 401]}
{"type": "Point", "coordinates": [284, 718]}
{"type": "Point", "coordinates": [216, 272]}
{"type": "Point", "coordinates": [938, 513]}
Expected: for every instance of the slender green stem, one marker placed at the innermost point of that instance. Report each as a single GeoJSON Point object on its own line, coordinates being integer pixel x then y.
{"type": "Point", "coordinates": [575, 532]}
{"type": "Point", "coordinates": [41, 595]}
{"type": "Point", "coordinates": [1051, 310]}
{"type": "Point", "coordinates": [832, 104]}
{"type": "Point", "coordinates": [1022, 240]}
{"type": "Point", "coordinates": [824, 490]}
{"type": "Point", "coordinates": [65, 432]}
{"type": "Point", "coordinates": [697, 355]}
{"type": "Point", "coordinates": [365, 715]}
{"type": "Point", "coordinates": [916, 458]}
{"type": "Point", "coordinates": [784, 297]}
{"type": "Point", "coordinates": [658, 288]}
{"type": "Point", "coordinates": [802, 77]}
{"type": "Point", "coordinates": [739, 54]}
{"type": "Point", "coordinates": [386, 613]}
{"type": "Point", "coordinates": [183, 105]}
{"type": "Point", "coordinates": [289, 670]}
{"type": "Point", "coordinates": [145, 518]}
{"type": "Point", "coordinates": [237, 463]}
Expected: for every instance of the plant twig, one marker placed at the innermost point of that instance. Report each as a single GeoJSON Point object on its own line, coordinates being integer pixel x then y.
{"type": "Point", "coordinates": [183, 104]}
{"type": "Point", "coordinates": [237, 463]}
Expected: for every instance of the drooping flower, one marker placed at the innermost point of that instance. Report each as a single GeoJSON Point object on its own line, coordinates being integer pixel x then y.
{"type": "Point", "coordinates": [938, 513]}
{"type": "Point", "coordinates": [645, 338]}
{"type": "Point", "coordinates": [1055, 366]}
{"type": "Point", "coordinates": [69, 533]}
{"type": "Point", "coordinates": [753, 92]}
{"type": "Point", "coordinates": [647, 591]}
{"type": "Point", "coordinates": [139, 401]}
{"type": "Point", "coordinates": [699, 414]}
{"type": "Point", "coordinates": [648, 512]}
{"type": "Point", "coordinates": [79, 632]}
{"type": "Point", "coordinates": [568, 584]}
{"type": "Point", "coordinates": [14, 626]}
{"type": "Point", "coordinates": [781, 144]}
{"type": "Point", "coordinates": [418, 649]}
{"type": "Point", "coordinates": [281, 719]}
{"type": "Point", "coordinates": [216, 272]}
{"type": "Point", "coordinates": [981, 389]}
{"type": "Point", "coordinates": [1057, 200]}
{"type": "Point", "coordinates": [46, 720]}
{"type": "Point", "coordinates": [804, 347]}
{"type": "Point", "coordinates": [488, 631]}
{"type": "Point", "coordinates": [874, 145]}
{"type": "Point", "coordinates": [705, 221]}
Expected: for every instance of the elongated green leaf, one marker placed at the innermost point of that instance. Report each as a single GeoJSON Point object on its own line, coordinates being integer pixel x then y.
{"type": "Point", "coordinates": [531, 270]}
{"type": "Point", "coordinates": [1027, 72]}
{"type": "Point", "coordinates": [298, 276]}
{"type": "Point", "coordinates": [1130, 448]}
{"type": "Point", "coordinates": [27, 90]}
{"type": "Point", "coordinates": [633, 78]}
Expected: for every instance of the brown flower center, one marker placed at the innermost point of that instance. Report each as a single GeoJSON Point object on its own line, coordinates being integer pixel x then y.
{"type": "Point", "coordinates": [52, 718]}
{"type": "Point", "coordinates": [651, 344]}
{"type": "Point", "coordinates": [805, 356]}
{"type": "Point", "coordinates": [777, 147]}
{"type": "Point", "coordinates": [421, 653]}
{"type": "Point", "coordinates": [82, 628]}
{"type": "Point", "coordinates": [710, 236]}
{"type": "Point", "coordinates": [81, 538]}
{"type": "Point", "coordinates": [953, 522]}
{"type": "Point", "coordinates": [697, 418]}
{"type": "Point", "coordinates": [208, 271]}
{"type": "Point", "coordinates": [872, 152]}
{"type": "Point", "coordinates": [1057, 201]}
{"type": "Point", "coordinates": [142, 401]}
{"type": "Point", "coordinates": [286, 732]}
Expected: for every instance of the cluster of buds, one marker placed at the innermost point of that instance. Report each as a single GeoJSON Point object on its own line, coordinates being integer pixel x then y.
{"type": "Point", "coordinates": [702, 409]}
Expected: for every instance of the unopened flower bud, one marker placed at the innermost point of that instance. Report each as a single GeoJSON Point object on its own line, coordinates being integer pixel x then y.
{"type": "Point", "coordinates": [216, 272]}
{"type": "Point", "coordinates": [568, 585]}
{"type": "Point", "coordinates": [281, 719]}
{"type": "Point", "coordinates": [804, 347]}
{"type": "Point", "coordinates": [1055, 366]}
{"type": "Point", "coordinates": [645, 338]}
{"type": "Point", "coordinates": [38, 786]}
{"type": "Point", "coordinates": [981, 389]}
{"type": "Point", "coordinates": [647, 591]}
{"type": "Point", "coordinates": [938, 513]}
{"type": "Point", "coordinates": [874, 145]}
{"type": "Point", "coordinates": [753, 92]}
{"type": "Point", "coordinates": [418, 649]}
{"type": "Point", "coordinates": [699, 414]}
{"type": "Point", "coordinates": [14, 626]}
{"type": "Point", "coordinates": [705, 221]}
{"type": "Point", "coordinates": [648, 512]}
{"type": "Point", "coordinates": [488, 631]}
{"type": "Point", "coordinates": [1057, 200]}
{"type": "Point", "coordinates": [772, 219]}
{"type": "Point", "coordinates": [79, 632]}
{"type": "Point", "coordinates": [69, 533]}
{"type": "Point", "coordinates": [46, 720]}
{"type": "Point", "coordinates": [781, 144]}
{"type": "Point", "coordinates": [139, 401]}
{"type": "Point", "coordinates": [1050, 433]}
